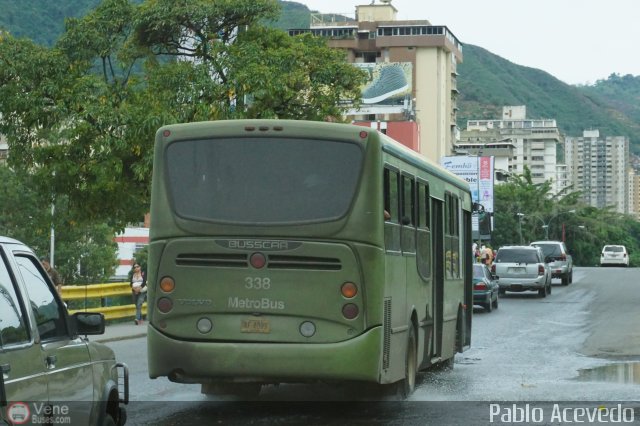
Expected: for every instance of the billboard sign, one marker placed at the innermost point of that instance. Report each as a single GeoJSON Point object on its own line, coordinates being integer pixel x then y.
{"type": "Point", "coordinates": [479, 173]}
{"type": "Point", "coordinates": [388, 88]}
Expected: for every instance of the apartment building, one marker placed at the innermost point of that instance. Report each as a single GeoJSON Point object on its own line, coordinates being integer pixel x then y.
{"type": "Point", "coordinates": [599, 168]}
{"type": "Point", "coordinates": [412, 73]}
{"type": "Point", "coordinates": [634, 194]}
{"type": "Point", "coordinates": [4, 149]}
{"type": "Point", "coordinates": [516, 142]}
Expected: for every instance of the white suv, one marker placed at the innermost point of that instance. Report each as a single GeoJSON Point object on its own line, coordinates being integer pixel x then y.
{"type": "Point", "coordinates": [614, 255]}
{"type": "Point", "coordinates": [559, 260]}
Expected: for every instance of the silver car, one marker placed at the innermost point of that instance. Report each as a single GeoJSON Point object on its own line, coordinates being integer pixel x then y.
{"type": "Point", "coordinates": [559, 259]}
{"type": "Point", "coordinates": [522, 268]}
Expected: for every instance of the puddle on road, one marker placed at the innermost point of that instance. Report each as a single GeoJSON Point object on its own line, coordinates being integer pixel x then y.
{"type": "Point", "coordinates": [626, 372]}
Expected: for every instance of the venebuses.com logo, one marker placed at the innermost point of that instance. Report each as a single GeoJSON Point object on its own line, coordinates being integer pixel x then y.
{"type": "Point", "coordinates": [18, 413]}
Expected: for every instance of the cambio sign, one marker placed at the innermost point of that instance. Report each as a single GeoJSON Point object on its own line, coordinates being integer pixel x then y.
{"type": "Point", "coordinates": [478, 172]}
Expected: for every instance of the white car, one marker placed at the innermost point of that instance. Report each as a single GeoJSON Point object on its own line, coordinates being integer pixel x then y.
{"type": "Point", "coordinates": [614, 255]}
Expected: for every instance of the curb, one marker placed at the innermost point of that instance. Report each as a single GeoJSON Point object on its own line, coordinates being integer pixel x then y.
{"type": "Point", "coordinates": [118, 338]}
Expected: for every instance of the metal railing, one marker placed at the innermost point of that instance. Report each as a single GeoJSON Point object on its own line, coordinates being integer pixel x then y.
{"type": "Point", "coordinates": [102, 292]}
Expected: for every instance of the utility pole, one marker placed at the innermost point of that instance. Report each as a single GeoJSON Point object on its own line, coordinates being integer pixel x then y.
{"type": "Point", "coordinates": [520, 215]}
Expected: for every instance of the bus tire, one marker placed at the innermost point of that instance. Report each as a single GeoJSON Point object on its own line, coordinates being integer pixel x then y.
{"type": "Point", "coordinates": [408, 384]}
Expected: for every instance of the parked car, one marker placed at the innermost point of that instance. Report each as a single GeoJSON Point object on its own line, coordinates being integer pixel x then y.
{"type": "Point", "coordinates": [485, 287]}
{"type": "Point", "coordinates": [614, 255]}
{"type": "Point", "coordinates": [559, 259]}
{"type": "Point", "coordinates": [44, 358]}
{"type": "Point", "coordinates": [522, 268]}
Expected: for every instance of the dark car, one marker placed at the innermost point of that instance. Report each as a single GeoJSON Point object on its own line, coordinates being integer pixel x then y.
{"type": "Point", "coordinates": [485, 287]}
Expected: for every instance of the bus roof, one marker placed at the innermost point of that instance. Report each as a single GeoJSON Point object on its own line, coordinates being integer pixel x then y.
{"type": "Point", "coordinates": [415, 158]}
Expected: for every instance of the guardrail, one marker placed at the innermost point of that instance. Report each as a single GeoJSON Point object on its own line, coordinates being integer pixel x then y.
{"type": "Point", "coordinates": [102, 292]}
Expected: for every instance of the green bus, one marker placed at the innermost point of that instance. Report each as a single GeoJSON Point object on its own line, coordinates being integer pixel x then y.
{"type": "Point", "coordinates": [287, 251]}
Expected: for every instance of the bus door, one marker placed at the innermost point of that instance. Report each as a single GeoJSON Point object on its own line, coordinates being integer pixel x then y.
{"type": "Point", "coordinates": [424, 261]}
{"type": "Point", "coordinates": [438, 273]}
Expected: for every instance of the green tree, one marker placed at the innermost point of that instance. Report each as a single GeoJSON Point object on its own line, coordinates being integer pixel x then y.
{"type": "Point", "coordinates": [585, 229]}
{"type": "Point", "coordinates": [83, 252]}
{"type": "Point", "coordinates": [81, 117]}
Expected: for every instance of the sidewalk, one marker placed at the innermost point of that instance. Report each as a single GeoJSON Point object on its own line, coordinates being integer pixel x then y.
{"type": "Point", "coordinates": [121, 331]}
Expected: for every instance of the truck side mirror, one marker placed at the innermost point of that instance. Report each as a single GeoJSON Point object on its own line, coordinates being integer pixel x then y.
{"type": "Point", "coordinates": [4, 368]}
{"type": "Point", "coordinates": [88, 323]}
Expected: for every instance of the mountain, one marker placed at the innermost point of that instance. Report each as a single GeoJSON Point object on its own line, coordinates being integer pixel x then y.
{"type": "Point", "coordinates": [41, 20]}
{"type": "Point", "coordinates": [486, 81]}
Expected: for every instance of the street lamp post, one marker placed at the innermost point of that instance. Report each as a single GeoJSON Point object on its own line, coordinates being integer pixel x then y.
{"type": "Point", "coordinates": [545, 225]}
{"type": "Point", "coordinates": [520, 216]}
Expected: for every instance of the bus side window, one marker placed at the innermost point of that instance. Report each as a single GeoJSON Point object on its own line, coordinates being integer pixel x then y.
{"type": "Point", "coordinates": [423, 238]}
{"type": "Point", "coordinates": [452, 236]}
{"type": "Point", "coordinates": [408, 215]}
{"type": "Point", "coordinates": [408, 201]}
{"type": "Point", "coordinates": [391, 199]}
{"type": "Point", "coordinates": [391, 210]}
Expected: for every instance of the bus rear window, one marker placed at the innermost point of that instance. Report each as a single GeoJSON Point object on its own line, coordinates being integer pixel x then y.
{"type": "Point", "coordinates": [262, 180]}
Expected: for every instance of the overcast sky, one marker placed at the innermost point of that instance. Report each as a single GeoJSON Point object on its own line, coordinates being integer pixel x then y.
{"type": "Point", "coordinates": [576, 41]}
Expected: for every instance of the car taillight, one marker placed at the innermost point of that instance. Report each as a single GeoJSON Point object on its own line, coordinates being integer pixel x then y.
{"type": "Point", "coordinates": [480, 286]}
{"type": "Point", "coordinates": [563, 257]}
{"type": "Point", "coordinates": [540, 270]}
{"type": "Point", "coordinates": [493, 268]}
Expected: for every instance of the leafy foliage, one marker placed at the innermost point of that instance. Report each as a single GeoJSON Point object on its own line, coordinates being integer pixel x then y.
{"type": "Point", "coordinates": [586, 229]}
{"type": "Point", "coordinates": [486, 81]}
{"type": "Point", "coordinates": [40, 21]}
{"type": "Point", "coordinates": [83, 253]}
{"type": "Point", "coordinates": [80, 118]}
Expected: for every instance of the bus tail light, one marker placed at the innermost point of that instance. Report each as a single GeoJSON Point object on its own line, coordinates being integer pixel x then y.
{"type": "Point", "coordinates": [165, 304]}
{"type": "Point", "coordinates": [349, 290]}
{"type": "Point", "coordinates": [167, 284]}
{"type": "Point", "coordinates": [350, 311]}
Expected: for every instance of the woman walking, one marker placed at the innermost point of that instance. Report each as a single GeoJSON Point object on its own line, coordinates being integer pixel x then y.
{"type": "Point", "coordinates": [138, 290]}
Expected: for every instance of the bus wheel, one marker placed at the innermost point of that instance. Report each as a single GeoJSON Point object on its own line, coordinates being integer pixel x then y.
{"type": "Point", "coordinates": [408, 385]}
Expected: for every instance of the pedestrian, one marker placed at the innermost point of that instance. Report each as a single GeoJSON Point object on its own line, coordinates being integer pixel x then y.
{"type": "Point", "coordinates": [53, 274]}
{"type": "Point", "coordinates": [138, 290]}
{"type": "Point", "coordinates": [487, 255]}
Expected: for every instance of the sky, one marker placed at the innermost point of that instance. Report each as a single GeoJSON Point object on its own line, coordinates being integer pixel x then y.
{"type": "Point", "coordinates": [576, 41]}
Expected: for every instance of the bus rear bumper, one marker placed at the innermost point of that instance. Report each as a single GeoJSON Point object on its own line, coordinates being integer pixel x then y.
{"type": "Point", "coordinates": [357, 359]}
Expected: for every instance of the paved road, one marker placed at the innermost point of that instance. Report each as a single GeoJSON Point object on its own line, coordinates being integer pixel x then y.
{"type": "Point", "coordinates": [574, 346]}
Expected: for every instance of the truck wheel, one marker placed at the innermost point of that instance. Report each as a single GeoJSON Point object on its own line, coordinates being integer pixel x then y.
{"type": "Point", "coordinates": [108, 420]}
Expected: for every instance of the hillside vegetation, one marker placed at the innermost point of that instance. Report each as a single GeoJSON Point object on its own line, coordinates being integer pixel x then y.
{"type": "Point", "coordinates": [486, 81]}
